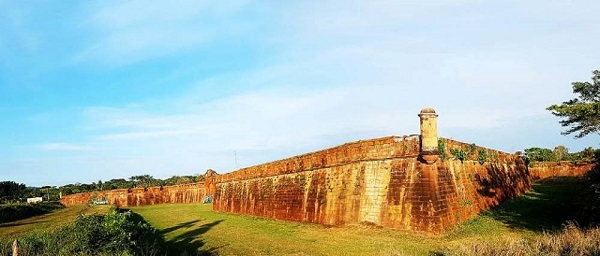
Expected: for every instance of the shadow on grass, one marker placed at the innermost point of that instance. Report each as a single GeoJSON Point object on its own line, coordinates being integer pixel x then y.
{"type": "Point", "coordinates": [179, 226]}
{"type": "Point", "coordinates": [187, 243]}
{"type": "Point", "coordinates": [546, 207]}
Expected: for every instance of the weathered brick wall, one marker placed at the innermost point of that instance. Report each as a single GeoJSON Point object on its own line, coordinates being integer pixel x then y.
{"type": "Point", "coordinates": [378, 181]}
{"type": "Point", "coordinates": [187, 193]}
{"type": "Point", "coordinates": [542, 170]}
{"type": "Point", "coordinates": [353, 152]}
{"type": "Point", "coordinates": [482, 179]}
{"type": "Point", "coordinates": [462, 189]}
{"type": "Point", "coordinates": [334, 186]}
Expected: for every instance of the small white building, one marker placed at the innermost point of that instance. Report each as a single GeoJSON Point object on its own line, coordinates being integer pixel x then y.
{"type": "Point", "coordinates": [34, 200]}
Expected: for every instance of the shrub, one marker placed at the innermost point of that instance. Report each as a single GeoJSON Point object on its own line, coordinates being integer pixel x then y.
{"type": "Point", "coordinates": [115, 233]}
{"type": "Point", "coordinates": [442, 149]}
{"type": "Point", "coordinates": [482, 156]}
{"type": "Point", "coordinates": [589, 198]}
{"type": "Point", "coordinates": [459, 154]}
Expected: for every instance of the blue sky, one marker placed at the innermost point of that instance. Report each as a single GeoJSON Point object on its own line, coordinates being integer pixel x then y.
{"type": "Point", "coordinates": [95, 90]}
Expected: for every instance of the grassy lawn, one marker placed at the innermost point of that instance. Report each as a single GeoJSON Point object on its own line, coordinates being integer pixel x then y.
{"type": "Point", "coordinates": [547, 207]}
{"type": "Point", "coordinates": [195, 228]}
{"type": "Point", "coordinates": [47, 221]}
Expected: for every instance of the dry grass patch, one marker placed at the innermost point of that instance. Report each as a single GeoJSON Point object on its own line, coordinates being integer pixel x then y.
{"type": "Point", "coordinates": [572, 240]}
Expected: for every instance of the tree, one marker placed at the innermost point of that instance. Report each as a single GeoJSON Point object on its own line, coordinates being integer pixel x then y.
{"type": "Point", "coordinates": [536, 154]}
{"type": "Point", "coordinates": [588, 153]}
{"type": "Point", "coordinates": [582, 114]}
{"type": "Point", "coordinates": [10, 190]}
{"type": "Point", "coordinates": [560, 153]}
{"type": "Point", "coordinates": [144, 181]}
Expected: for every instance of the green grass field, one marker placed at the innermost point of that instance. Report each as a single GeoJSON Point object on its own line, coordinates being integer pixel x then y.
{"type": "Point", "coordinates": [196, 228]}
{"type": "Point", "coordinates": [47, 221]}
{"type": "Point", "coordinates": [192, 229]}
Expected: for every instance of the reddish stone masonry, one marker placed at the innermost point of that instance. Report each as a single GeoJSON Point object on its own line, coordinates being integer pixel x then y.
{"type": "Point", "coordinates": [407, 183]}
{"type": "Point", "coordinates": [187, 193]}
{"type": "Point", "coordinates": [542, 170]}
{"type": "Point", "coordinates": [379, 181]}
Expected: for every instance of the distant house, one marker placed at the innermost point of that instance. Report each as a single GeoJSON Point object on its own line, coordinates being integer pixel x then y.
{"type": "Point", "coordinates": [34, 200]}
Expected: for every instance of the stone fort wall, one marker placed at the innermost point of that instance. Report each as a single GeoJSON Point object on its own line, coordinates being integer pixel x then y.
{"type": "Point", "coordinates": [417, 183]}
{"type": "Point", "coordinates": [380, 181]}
{"type": "Point", "coordinates": [542, 170]}
{"type": "Point", "coordinates": [187, 193]}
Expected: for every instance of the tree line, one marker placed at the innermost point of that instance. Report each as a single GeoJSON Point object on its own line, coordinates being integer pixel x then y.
{"type": "Point", "coordinates": [13, 192]}
{"type": "Point", "coordinates": [137, 181]}
{"type": "Point", "coordinates": [560, 153]}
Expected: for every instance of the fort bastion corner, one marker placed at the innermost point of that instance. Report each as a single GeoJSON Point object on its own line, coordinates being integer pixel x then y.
{"type": "Point", "coordinates": [419, 183]}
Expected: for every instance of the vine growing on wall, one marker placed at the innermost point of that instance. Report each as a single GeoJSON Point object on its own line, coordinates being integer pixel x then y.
{"type": "Point", "coordinates": [494, 156]}
{"type": "Point", "coordinates": [482, 156]}
{"type": "Point", "coordinates": [442, 149]}
{"type": "Point", "coordinates": [459, 154]}
{"type": "Point", "coordinates": [472, 148]}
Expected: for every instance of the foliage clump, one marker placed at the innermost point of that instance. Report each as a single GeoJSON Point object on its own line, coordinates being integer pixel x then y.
{"type": "Point", "coordinates": [442, 149]}
{"type": "Point", "coordinates": [482, 156]}
{"type": "Point", "coordinates": [581, 114]}
{"type": "Point", "coordinates": [459, 154]}
{"type": "Point", "coordinates": [589, 203]}
{"type": "Point", "coordinates": [10, 191]}
{"type": "Point", "coordinates": [116, 233]}
{"type": "Point", "coordinates": [560, 153]}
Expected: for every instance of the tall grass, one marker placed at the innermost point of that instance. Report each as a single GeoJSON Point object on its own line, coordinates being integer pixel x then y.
{"type": "Point", "coordinates": [572, 240]}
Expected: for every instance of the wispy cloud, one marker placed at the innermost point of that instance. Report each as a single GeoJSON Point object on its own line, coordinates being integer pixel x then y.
{"type": "Point", "coordinates": [266, 117]}
{"type": "Point", "coordinates": [132, 31]}
{"type": "Point", "coordinates": [290, 78]}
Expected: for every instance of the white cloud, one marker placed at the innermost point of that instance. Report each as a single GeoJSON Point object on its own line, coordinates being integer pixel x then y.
{"type": "Point", "coordinates": [132, 31]}
{"type": "Point", "coordinates": [277, 123]}
{"type": "Point", "coordinates": [269, 112]}
{"type": "Point", "coordinates": [341, 72]}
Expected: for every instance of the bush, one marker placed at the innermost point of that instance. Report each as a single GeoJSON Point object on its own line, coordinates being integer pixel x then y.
{"type": "Point", "coordinates": [589, 198]}
{"type": "Point", "coordinates": [482, 156]}
{"type": "Point", "coordinates": [13, 212]}
{"type": "Point", "coordinates": [459, 154]}
{"type": "Point", "coordinates": [115, 233]}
